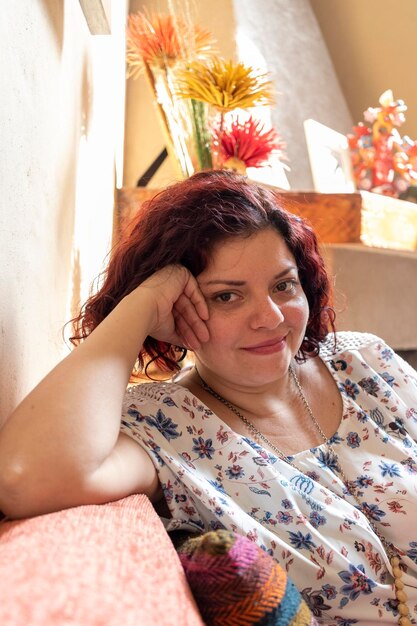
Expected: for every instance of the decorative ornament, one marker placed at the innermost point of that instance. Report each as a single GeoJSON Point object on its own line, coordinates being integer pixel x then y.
{"type": "Point", "coordinates": [382, 160]}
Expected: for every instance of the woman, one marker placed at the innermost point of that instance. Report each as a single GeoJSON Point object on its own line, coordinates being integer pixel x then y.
{"type": "Point", "coordinates": [302, 440]}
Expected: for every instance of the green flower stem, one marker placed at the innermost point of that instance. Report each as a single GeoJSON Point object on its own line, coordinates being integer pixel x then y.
{"type": "Point", "coordinates": [202, 134]}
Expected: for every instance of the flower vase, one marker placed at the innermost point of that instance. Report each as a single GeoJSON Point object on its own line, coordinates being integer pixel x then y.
{"type": "Point", "coordinates": [175, 117]}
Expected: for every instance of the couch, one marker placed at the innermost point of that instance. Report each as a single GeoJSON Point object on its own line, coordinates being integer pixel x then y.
{"type": "Point", "coordinates": [95, 565]}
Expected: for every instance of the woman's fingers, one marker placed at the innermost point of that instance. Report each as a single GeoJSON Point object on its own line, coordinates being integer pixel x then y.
{"type": "Point", "coordinates": [192, 317]}
{"type": "Point", "coordinates": [185, 333]}
{"type": "Point", "coordinates": [192, 291]}
{"type": "Point", "coordinates": [188, 321]}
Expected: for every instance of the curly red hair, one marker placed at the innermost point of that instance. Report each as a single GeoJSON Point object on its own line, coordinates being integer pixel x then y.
{"type": "Point", "coordinates": [181, 225]}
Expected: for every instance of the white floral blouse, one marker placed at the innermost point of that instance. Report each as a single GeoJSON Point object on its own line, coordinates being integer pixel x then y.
{"type": "Point", "coordinates": [305, 518]}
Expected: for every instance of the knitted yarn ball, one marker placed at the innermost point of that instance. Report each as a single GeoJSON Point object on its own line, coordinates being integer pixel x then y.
{"type": "Point", "coordinates": [236, 583]}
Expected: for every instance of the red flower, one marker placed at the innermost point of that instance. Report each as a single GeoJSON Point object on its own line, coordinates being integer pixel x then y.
{"type": "Point", "coordinates": [247, 144]}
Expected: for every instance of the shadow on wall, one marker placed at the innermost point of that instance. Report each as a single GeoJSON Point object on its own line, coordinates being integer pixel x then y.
{"type": "Point", "coordinates": [72, 197]}
{"type": "Point", "coordinates": [11, 360]}
{"type": "Point", "coordinates": [55, 11]}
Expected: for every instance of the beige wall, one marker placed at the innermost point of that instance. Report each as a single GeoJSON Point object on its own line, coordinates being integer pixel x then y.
{"type": "Point", "coordinates": [373, 47]}
{"type": "Point", "coordinates": [55, 217]}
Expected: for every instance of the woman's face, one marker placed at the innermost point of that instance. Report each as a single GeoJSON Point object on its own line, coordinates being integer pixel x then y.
{"type": "Point", "coordinates": [258, 309]}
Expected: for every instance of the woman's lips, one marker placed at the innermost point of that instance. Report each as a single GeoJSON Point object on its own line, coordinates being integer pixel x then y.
{"type": "Point", "coordinates": [267, 347]}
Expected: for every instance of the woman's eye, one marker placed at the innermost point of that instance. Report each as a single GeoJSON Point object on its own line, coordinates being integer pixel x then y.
{"type": "Point", "coordinates": [286, 286]}
{"type": "Point", "coordinates": [225, 297]}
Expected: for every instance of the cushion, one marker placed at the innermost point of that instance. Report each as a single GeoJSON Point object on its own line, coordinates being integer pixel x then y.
{"type": "Point", "coordinates": [236, 583]}
{"type": "Point", "coordinates": [95, 565]}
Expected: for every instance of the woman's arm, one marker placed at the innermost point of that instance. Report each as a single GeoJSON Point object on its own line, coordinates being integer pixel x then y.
{"type": "Point", "coordinates": [61, 446]}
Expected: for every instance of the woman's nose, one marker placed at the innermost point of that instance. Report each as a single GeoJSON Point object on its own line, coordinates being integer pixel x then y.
{"type": "Point", "coordinates": [266, 314]}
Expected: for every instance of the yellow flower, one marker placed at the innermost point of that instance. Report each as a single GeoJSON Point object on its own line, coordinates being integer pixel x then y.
{"type": "Point", "coordinates": [162, 40]}
{"type": "Point", "coordinates": [224, 84]}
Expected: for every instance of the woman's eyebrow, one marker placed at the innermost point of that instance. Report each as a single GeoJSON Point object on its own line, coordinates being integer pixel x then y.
{"type": "Point", "coordinates": [241, 283]}
{"type": "Point", "coordinates": [231, 283]}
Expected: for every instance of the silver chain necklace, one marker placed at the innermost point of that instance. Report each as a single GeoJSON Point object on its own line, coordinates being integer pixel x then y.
{"type": "Point", "coordinates": [392, 553]}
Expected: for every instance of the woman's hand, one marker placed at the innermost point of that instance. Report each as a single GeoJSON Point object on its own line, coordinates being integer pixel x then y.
{"type": "Point", "coordinates": [180, 309]}
{"type": "Point", "coordinates": [61, 449]}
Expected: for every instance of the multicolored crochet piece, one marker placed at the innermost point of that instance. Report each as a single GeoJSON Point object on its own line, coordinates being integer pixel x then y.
{"type": "Point", "coordinates": [236, 583]}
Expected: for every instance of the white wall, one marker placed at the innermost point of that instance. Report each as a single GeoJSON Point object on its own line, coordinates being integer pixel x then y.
{"type": "Point", "coordinates": [55, 217]}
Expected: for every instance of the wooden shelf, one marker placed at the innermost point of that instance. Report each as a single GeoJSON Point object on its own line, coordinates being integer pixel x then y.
{"type": "Point", "coordinates": [335, 217]}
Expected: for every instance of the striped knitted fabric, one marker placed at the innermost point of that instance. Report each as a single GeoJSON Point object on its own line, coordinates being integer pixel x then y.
{"type": "Point", "coordinates": [236, 583]}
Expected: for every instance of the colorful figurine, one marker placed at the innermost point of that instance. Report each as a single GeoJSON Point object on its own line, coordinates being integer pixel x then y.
{"type": "Point", "coordinates": [382, 160]}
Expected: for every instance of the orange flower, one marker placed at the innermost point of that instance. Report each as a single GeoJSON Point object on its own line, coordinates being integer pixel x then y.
{"type": "Point", "coordinates": [163, 40]}
{"type": "Point", "coordinates": [247, 144]}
